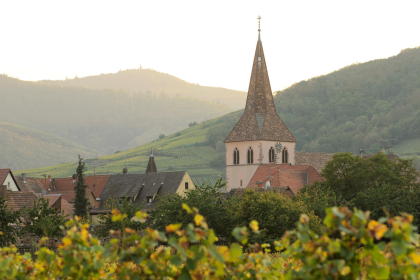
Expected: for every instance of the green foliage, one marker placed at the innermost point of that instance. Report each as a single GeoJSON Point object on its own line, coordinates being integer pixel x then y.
{"type": "Point", "coordinates": [347, 175]}
{"type": "Point", "coordinates": [124, 207]}
{"type": "Point", "coordinates": [274, 212]}
{"type": "Point", "coordinates": [8, 232]}
{"type": "Point", "coordinates": [161, 136]}
{"type": "Point", "coordinates": [317, 198]}
{"type": "Point", "coordinates": [81, 203]}
{"type": "Point", "coordinates": [352, 246]}
{"type": "Point", "coordinates": [44, 221]}
{"type": "Point", "coordinates": [208, 198]}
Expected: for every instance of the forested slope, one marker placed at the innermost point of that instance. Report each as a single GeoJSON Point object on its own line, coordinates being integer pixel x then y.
{"type": "Point", "coordinates": [147, 80]}
{"type": "Point", "coordinates": [22, 147]}
{"type": "Point", "coordinates": [356, 107]}
{"type": "Point", "coordinates": [102, 119]}
{"type": "Point", "coordinates": [347, 110]}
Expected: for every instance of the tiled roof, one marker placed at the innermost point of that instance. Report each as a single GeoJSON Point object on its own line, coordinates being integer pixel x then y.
{"type": "Point", "coordinates": [139, 186]}
{"type": "Point", "coordinates": [238, 192]}
{"type": "Point", "coordinates": [3, 176]}
{"type": "Point", "coordinates": [52, 198]}
{"type": "Point", "coordinates": [67, 208]}
{"type": "Point", "coordinates": [317, 160]}
{"type": "Point", "coordinates": [18, 200]}
{"type": "Point", "coordinates": [284, 175]}
{"type": "Point", "coordinates": [260, 120]}
{"type": "Point", "coordinates": [31, 184]}
{"type": "Point", "coordinates": [65, 186]}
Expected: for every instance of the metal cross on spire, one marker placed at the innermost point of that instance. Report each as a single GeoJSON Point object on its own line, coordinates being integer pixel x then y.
{"type": "Point", "coordinates": [259, 23]}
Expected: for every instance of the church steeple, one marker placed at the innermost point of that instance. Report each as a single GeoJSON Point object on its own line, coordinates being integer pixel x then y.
{"type": "Point", "coordinates": [151, 165]}
{"type": "Point", "coordinates": [260, 120]}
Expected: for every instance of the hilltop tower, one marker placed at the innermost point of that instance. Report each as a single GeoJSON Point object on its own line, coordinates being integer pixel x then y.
{"type": "Point", "coordinates": [260, 136]}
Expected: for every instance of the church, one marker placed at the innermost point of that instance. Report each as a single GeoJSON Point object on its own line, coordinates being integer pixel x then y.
{"type": "Point", "coordinates": [261, 139]}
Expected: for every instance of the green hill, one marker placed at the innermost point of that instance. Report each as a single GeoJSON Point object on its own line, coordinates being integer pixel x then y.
{"type": "Point", "coordinates": [146, 80]}
{"type": "Point", "coordinates": [350, 109]}
{"type": "Point", "coordinates": [188, 149]}
{"type": "Point", "coordinates": [356, 107]}
{"type": "Point", "coordinates": [21, 147]}
{"type": "Point", "coordinates": [101, 119]}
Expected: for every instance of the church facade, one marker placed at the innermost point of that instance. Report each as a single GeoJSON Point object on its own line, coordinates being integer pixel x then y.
{"type": "Point", "coordinates": [260, 136]}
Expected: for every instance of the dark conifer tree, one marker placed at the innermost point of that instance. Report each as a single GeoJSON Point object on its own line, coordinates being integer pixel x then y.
{"type": "Point", "coordinates": [81, 203]}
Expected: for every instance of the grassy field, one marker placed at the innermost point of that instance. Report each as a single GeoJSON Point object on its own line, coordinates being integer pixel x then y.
{"type": "Point", "coordinates": [184, 150]}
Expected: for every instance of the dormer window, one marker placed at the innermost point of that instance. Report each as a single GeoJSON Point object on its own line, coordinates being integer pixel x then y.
{"type": "Point", "coordinates": [236, 156]}
{"type": "Point", "coordinates": [149, 199]}
{"type": "Point", "coordinates": [271, 155]}
{"type": "Point", "coordinates": [8, 186]}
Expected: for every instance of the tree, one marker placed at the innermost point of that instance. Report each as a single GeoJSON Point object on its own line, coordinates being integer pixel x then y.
{"type": "Point", "coordinates": [317, 198]}
{"type": "Point", "coordinates": [81, 203]}
{"type": "Point", "coordinates": [161, 136]}
{"type": "Point", "coordinates": [8, 232]}
{"type": "Point", "coordinates": [274, 212]}
{"type": "Point", "coordinates": [205, 197]}
{"type": "Point", "coordinates": [347, 175]}
{"type": "Point", "coordinates": [124, 207]}
{"type": "Point", "coordinates": [44, 220]}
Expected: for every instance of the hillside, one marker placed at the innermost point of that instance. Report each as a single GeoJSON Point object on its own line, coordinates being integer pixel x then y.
{"type": "Point", "coordinates": [22, 147]}
{"type": "Point", "coordinates": [356, 107]}
{"type": "Point", "coordinates": [347, 110]}
{"type": "Point", "coordinates": [146, 80]}
{"type": "Point", "coordinates": [101, 119]}
{"type": "Point", "coordinates": [188, 149]}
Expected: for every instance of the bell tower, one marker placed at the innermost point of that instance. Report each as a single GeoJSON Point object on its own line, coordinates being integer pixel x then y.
{"type": "Point", "coordinates": [260, 136]}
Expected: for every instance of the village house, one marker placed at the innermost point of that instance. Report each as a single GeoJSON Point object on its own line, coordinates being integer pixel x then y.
{"type": "Point", "coordinates": [260, 145]}
{"type": "Point", "coordinates": [142, 189]}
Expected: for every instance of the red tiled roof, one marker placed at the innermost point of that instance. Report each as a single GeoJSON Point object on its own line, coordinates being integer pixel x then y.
{"type": "Point", "coordinates": [69, 196]}
{"type": "Point", "coordinates": [3, 175]}
{"type": "Point", "coordinates": [284, 175]}
{"type": "Point", "coordinates": [67, 208]}
{"type": "Point", "coordinates": [18, 200]}
{"type": "Point", "coordinates": [95, 184]}
{"type": "Point", "coordinates": [31, 184]}
{"type": "Point", "coordinates": [52, 198]}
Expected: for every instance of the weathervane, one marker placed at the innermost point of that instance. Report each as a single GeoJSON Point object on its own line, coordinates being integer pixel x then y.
{"type": "Point", "coordinates": [259, 23]}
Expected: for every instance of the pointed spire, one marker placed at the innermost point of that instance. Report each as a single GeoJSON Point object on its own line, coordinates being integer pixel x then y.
{"type": "Point", "coordinates": [151, 165]}
{"type": "Point", "coordinates": [260, 120]}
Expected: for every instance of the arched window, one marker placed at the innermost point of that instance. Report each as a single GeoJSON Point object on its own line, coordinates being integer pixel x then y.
{"type": "Point", "coordinates": [250, 155]}
{"type": "Point", "coordinates": [236, 156]}
{"type": "Point", "coordinates": [284, 155]}
{"type": "Point", "coordinates": [271, 155]}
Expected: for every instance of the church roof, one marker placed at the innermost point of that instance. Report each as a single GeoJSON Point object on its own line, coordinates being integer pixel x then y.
{"type": "Point", "coordinates": [260, 120]}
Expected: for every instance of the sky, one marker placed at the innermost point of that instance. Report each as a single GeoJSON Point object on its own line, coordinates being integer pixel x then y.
{"type": "Point", "coordinates": [210, 43]}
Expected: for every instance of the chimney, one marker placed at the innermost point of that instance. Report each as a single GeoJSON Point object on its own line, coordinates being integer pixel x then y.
{"type": "Point", "coordinates": [3, 191]}
{"type": "Point", "coordinates": [43, 192]}
{"type": "Point", "coordinates": [24, 177]}
{"type": "Point", "coordinates": [97, 202]}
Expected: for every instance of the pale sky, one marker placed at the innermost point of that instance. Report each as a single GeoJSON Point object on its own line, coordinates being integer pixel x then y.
{"type": "Point", "coordinates": [211, 43]}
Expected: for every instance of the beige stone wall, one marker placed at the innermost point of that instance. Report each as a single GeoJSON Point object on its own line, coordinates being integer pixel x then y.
{"type": "Point", "coordinates": [10, 183]}
{"type": "Point", "coordinates": [244, 171]}
{"type": "Point", "coordinates": [181, 188]}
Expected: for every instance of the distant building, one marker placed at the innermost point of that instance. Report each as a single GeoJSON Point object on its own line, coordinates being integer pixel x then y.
{"type": "Point", "coordinates": [142, 189]}
{"type": "Point", "coordinates": [261, 142]}
{"type": "Point", "coordinates": [8, 179]}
